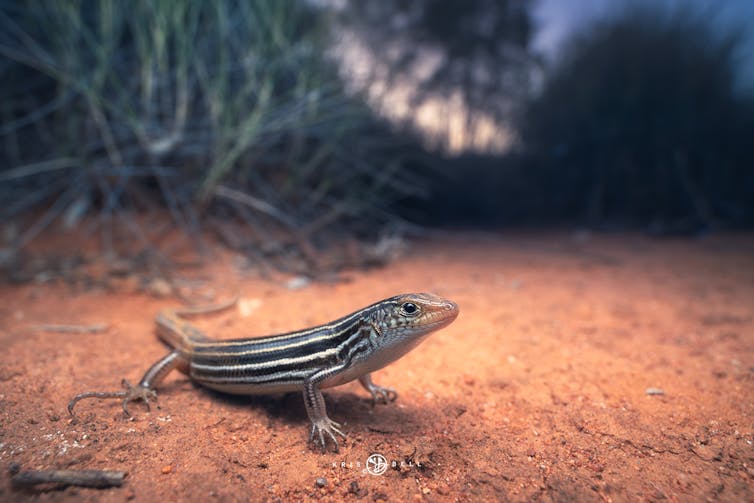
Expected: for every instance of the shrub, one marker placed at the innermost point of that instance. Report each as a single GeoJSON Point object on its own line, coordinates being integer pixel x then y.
{"type": "Point", "coordinates": [117, 106]}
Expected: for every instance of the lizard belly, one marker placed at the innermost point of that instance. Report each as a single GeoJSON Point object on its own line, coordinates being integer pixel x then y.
{"type": "Point", "coordinates": [254, 388]}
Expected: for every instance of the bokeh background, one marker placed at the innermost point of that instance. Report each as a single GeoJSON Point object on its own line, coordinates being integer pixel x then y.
{"type": "Point", "coordinates": [283, 126]}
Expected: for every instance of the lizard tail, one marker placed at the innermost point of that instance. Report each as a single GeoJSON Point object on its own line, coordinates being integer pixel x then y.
{"type": "Point", "coordinates": [178, 333]}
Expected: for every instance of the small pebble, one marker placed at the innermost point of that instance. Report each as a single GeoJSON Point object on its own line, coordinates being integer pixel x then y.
{"type": "Point", "coordinates": [654, 391]}
{"type": "Point", "coordinates": [167, 469]}
{"type": "Point", "coordinates": [353, 488]}
{"type": "Point", "coordinates": [159, 287]}
{"type": "Point", "coordinates": [297, 283]}
{"type": "Point", "coordinates": [247, 306]}
{"type": "Point", "coordinates": [320, 482]}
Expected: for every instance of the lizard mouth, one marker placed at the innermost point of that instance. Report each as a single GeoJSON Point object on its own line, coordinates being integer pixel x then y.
{"type": "Point", "coordinates": [435, 320]}
{"type": "Point", "coordinates": [447, 313]}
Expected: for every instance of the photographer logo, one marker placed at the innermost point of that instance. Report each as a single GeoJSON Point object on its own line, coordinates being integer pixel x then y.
{"type": "Point", "coordinates": [376, 464]}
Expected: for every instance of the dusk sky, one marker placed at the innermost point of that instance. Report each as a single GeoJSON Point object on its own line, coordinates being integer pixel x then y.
{"type": "Point", "coordinates": [558, 18]}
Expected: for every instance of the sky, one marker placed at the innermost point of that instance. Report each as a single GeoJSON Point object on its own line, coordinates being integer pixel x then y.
{"type": "Point", "coordinates": [558, 18]}
{"type": "Point", "coordinates": [445, 121]}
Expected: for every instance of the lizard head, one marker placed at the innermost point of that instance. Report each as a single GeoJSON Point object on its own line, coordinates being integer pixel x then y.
{"type": "Point", "coordinates": [402, 322]}
{"type": "Point", "coordinates": [416, 313]}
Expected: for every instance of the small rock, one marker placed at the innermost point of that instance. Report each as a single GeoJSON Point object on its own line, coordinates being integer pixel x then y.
{"type": "Point", "coordinates": [320, 482]}
{"type": "Point", "coordinates": [246, 306]}
{"type": "Point", "coordinates": [167, 469]}
{"type": "Point", "coordinates": [654, 391]}
{"type": "Point", "coordinates": [297, 283]}
{"type": "Point", "coordinates": [443, 489]}
{"type": "Point", "coordinates": [356, 490]}
{"type": "Point", "coordinates": [159, 287]}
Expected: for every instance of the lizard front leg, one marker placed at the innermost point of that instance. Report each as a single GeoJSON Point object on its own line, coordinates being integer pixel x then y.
{"type": "Point", "coordinates": [315, 407]}
{"type": "Point", "coordinates": [379, 393]}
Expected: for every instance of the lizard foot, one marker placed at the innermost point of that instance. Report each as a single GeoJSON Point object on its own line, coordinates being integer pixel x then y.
{"type": "Point", "coordinates": [129, 394]}
{"type": "Point", "coordinates": [328, 426]}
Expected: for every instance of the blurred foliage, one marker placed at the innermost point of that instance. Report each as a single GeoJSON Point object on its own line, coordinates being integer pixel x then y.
{"type": "Point", "coordinates": [640, 124]}
{"type": "Point", "coordinates": [475, 49]}
{"type": "Point", "coordinates": [116, 106]}
{"type": "Point", "coordinates": [234, 110]}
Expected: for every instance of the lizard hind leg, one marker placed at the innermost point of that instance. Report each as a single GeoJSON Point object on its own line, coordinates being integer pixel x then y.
{"type": "Point", "coordinates": [144, 391]}
{"type": "Point", "coordinates": [129, 394]}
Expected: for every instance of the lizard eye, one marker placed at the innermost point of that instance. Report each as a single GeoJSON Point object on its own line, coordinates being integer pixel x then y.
{"type": "Point", "coordinates": [409, 308]}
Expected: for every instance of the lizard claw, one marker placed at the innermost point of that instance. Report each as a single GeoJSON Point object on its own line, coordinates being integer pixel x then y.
{"type": "Point", "coordinates": [383, 395]}
{"type": "Point", "coordinates": [326, 425]}
{"type": "Point", "coordinates": [379, 394]}
{"type": "Point", "coordinates": [133, 393]}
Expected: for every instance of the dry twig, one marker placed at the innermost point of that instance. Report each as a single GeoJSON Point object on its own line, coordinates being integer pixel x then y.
{"type": "Point", "coordinates": [73, 329]}
{"type": "Point", "coordinates": [100, 479]}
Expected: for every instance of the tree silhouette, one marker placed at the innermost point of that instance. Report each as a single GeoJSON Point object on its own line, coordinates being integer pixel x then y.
{"type": "Point", "coordinates": [478, 49]}
{"type": "Point", "coordinates": [640, 123]}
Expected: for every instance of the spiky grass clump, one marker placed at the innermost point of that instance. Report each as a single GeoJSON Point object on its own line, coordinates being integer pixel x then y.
{"type": "Point", "coordinates": [118, 106]}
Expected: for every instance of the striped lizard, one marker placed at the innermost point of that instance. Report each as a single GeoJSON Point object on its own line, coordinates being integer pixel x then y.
{"type": "Point", "coordinates": [306, 360]}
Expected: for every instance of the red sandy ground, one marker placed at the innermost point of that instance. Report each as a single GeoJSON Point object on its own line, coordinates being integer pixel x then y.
{"type": "Point", "coordinates": [536, 392]}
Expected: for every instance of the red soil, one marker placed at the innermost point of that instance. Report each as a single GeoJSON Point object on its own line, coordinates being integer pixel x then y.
{"type": "Point", "coordinates": [538, 391]}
